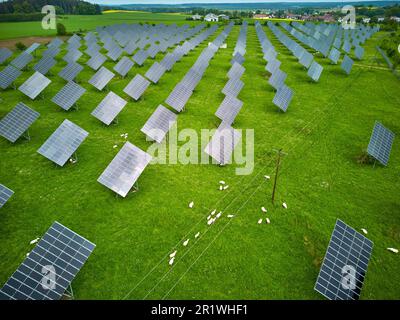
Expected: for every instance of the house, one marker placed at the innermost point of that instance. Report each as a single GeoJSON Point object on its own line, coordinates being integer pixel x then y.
{"type": "Point", "coordinates": [260, 16]}
{"type": "Point", "coordinates": [292, 16]}
{"type": "Point", "coordinates": [397, 19]}
{"type": "Point", "coordinates": [196, 17]}
{"type": "Point", "coordinates": [366, 20]}
{"type": "Point", "coordinates": [328, 18]}
{"type": "Point", "coordinates": [211, 17]}
{"type": "Point", "coordinates": [381, 19]}
{"type": "Point", "coordinates": [223, 17]}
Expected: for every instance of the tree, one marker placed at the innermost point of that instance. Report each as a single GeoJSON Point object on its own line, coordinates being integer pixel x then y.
{"type": "Point", "coordinates": [61, 30]}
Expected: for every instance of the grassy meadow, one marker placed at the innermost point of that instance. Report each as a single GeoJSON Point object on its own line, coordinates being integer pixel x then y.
{"type": "Point", "coordinates": [74, 23]}
{"type": "Point", "coordinates": [326, 129]}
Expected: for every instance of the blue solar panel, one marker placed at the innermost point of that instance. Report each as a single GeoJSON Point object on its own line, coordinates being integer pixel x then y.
{"type": "Point", "coordinates": [381, 143]}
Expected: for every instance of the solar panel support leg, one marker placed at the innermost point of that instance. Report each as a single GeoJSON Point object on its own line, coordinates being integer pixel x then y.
{"type": "Point", "coordinates": [115, 121]}
{"type": "Point", "coordinates": [27, 136]}
{"type": "Point", "coordinates": [75, 106]}
{"type": "Point", "coordinates": [135, 187]}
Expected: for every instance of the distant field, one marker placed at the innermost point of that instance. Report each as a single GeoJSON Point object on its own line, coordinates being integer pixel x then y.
{"type": "Point", "coordinates": [11, 30]}
{"type": "Point", "coordinates": [326, 129]}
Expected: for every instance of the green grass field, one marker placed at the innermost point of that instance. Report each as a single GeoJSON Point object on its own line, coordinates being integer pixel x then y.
{"type": "Point", "coordinates": [74, 23]}
{"type": "Point", "coordinates": [325, 130]}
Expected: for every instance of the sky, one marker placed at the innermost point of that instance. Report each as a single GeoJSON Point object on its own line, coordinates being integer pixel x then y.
{"type": "Point", "coordinates": [202, 1]}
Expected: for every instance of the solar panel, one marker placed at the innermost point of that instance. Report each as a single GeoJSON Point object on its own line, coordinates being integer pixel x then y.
{"type": "Point", "coordinates": [44, 65]}
{"type": "Point", "coordinates": [22, 60]}
{"type": "Point", "coordinates": [222, 144]}
{"type": "Point", "coordinates": [315, 70]}
{"type": "Point", "coordinates": [68, 95]}
{"type": "Point", "coordinates": [50, 267]}
{"type": "Point", "coordinates": [236, 71]}
{"type": "Point", "coordinates": [62, 144]}
{"type": "Point", "coordinates": [101, 78]}
{"type": "Point", "coordinates": [140, 57]}
{"type": "Point", "coordinates": [71, 71]}
{"type": "Point", "coordinates": [34, 85]}
{"type": "Point", "coordinates": [359, 52]}
{"type": "Point", "coordinates": [123, 66]}
{"type": "Point", "coordinates": [347, 64]}
{"type": "Point", "coordinates": [345, 264]}
{"type": "Point", "coordinates": [191, 79]}
{"type": "Point", "coordinates": [233, 87]}
{"type": "Point", "coordinates": [72, 56]}
{"type": "Point", "coordinates": [137, 87]}
{"type": "Point", "coordinates": [5, 53]}
{"type": "Point", "coordinates": [124, 170]}
{"type": "Point", "coordinates": [334, 55]}
{"type": "Point", "coordinates": [115, 52]}
{"type": "Point", "coordinates": [5, 194]}
{"type": "Point", "coordinates": [277, 79]}
{"type": "Point", "coordinates": [8, 75]}
{"type": "Point", "coordinates": [306, 59]}
{"type": "Point", "coordinates": [380, 144]}
{"type": "Point", "coordinates": [229, 109]}
{"type": "Point", "coordinates": [32, 47]}
{"type": "Point", "coordinates": [109, 108]}
{"type": "Point", "coordinates": [17, 122]}
{"type": "Point", "coordinates": [55, 43]}
{"type": "Point", "coordinates": [51, 52]}
{"type": "Point", "coordinates": [168, 61]}
{"type": "Point", "coordinates": [346, 46]}
{"type": "Point", "coordinates": [283, 97]}
{"type": "Point", "coordinates": [272, 66]}
{"type": "Point", "coordinates": [159, 123]}
{"type": "Point", "coordinates": [96, 61]}
{"type": "Point", "coordinates": [179, 97]}
{"type": "Point", "coordinates": [155, 72]}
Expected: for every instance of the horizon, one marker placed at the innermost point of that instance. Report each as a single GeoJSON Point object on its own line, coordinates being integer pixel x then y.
{"type": "Point", "coordinates": [172, 2]}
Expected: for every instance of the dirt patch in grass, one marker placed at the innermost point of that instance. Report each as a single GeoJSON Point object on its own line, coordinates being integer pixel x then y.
{"type": "Point", "coordinates": [10, 43]}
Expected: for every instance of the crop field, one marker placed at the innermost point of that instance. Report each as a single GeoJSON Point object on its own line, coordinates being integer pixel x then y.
{"type": "Point", "coordinates": [325, 132]}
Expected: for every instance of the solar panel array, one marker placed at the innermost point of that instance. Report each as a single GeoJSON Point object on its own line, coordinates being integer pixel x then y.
{"type": "Point", "coordinates": [68, 95]}
{"type": "Point", "coordinates": [155, 72]}
{"type": "Point", "coordinates": [229, 109]}
{"type": "Point", "coordinates": [222, 144]}
{"type": "Point", "coordinates": [159, 123]}
{"type": "Point", "coordinates": [62, 144]}
{"type": "Point", "coordinates": [315, 70]}
{"type": "Point", "coordinates": [45, 64]}
{"type": "Point", "coordinates": [34, 85]}
{"type": "Point", "coordinates": [123, 66]}
{"type": "Point", "coordinates": [17, 122]}
{"type": "Point", "coordinates": [179, 97]}
{"type": "Point", "coordinates": [345, 264]}
{"type": "Point", "coordinates": [380, 144]}
{"type": "Point", "coordinates": [101, 78]}
{"type": "Point", "coordinates": [5, 53]}
{"type": "Point", "coordinates": [22, 60]}
{"type": "Point", "coordinates": [5, 194]}
{"type": "Point", "coordinates": [109, 108]}
{"type": "Point", "coordinates": [70, 71]}
{"type": "Point", "coordinates": [124, 170]}
{"type": "Point", "coordinates": [8, 75]}
{"type": "Point", "coordinates": [283, 97]}
{"type": "Point", "coordinates": [50, 267]}
{"type": "Point", "coordinates": [136, 87]}
{"type": "Point", "coordinates": [347, 64]}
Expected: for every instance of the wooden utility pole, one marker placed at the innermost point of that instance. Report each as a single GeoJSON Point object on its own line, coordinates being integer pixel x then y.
{"type": "Point", "coordinates": [278, 164]}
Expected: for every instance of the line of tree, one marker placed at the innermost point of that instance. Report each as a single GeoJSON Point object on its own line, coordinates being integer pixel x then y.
{"type": "Point", "coordinates": [62, 7]}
